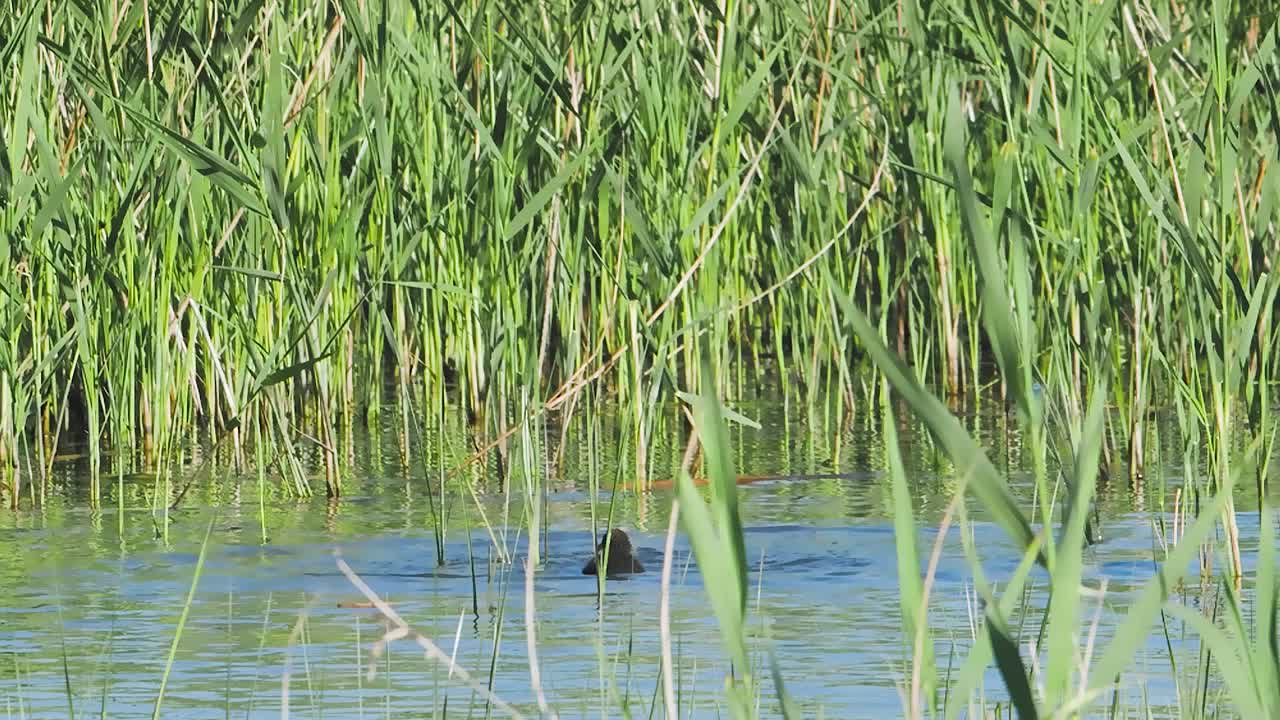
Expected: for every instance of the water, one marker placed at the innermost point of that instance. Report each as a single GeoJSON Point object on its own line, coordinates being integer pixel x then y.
{"type": "Point", "coordinates": [267, 626]}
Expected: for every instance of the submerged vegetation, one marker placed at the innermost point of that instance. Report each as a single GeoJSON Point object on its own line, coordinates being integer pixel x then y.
{"type": "Point", "coordinates": [248, 227]}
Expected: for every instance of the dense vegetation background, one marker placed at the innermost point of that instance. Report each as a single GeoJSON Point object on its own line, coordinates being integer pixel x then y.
{"type": "Point", "coordinates": [250, 214]}
{"type": "Point", "coordinates": [247, 223]}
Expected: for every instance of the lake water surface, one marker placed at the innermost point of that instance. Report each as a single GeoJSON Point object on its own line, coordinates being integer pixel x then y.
{"type": "Point", "coordinates": [92, 609]}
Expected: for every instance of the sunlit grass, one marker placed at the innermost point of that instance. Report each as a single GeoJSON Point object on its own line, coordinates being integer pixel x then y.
{"type": "Point", "coordinates": [259, 215]}
{"type": "Point", "coordinates": [235, 229]}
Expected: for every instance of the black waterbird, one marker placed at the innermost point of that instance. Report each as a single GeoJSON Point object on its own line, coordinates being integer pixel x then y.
{"type": "Point", "coordinates": [621, 560]}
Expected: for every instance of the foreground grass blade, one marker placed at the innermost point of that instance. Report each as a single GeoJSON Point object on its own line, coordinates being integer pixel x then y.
{"type": "Point", "coordinates": [1266, 649]}
{"type": "Point", "coordinates": [1017, 683]}
{"type": "Point", "coordinates": [716, 536]}
{"type": "Point", "coordinates": [971, 462]}
{"type": "Point", "coordinates": [1132, 631]}
{"type": "Point", "coordinates": [182, 620]}
{"type": "Point", "coordinates": [997, 308]}
{"type": "Point", "coordinates": [979, 659]}
{"type": "Point", "coordinates": [1064, 602]}
{"type": "Point", "coordinates": [915, 626]}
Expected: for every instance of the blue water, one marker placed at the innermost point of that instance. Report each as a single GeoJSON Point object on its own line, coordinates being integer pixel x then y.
{"type": "Point", "coordinates": [267, 626]}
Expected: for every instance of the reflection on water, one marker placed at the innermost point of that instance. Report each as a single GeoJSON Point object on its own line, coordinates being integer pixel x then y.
{"type": "Point", "coordinates": [265, 618]}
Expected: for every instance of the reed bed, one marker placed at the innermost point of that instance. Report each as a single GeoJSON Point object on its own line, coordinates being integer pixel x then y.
{"type": "Point", "coordinates": [253, 218]}
{"type": "Point", "coordinates": [241, 229]}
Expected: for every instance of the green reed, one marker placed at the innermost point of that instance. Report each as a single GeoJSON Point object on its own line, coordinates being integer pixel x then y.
{"type": "Point", "coordinates": [354, 193]}
{"type": "Point", "coordinates": [248, 219]}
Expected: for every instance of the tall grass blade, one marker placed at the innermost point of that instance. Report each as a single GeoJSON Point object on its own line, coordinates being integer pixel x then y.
{"type": "Point", "coordinates": [970, 460]}
{"type": "Point", "coordinates": [980, 655]}
{"type": "Point", "coordinates": [1064, 603]}
{"type": "Point", "coordinates": [182, 620]}
{"type": "Point", "coordinates": [715, 534]}
{"type": "Point", "coordinates": [997, 307]}
{"type": "Point", "coordinates": [919, 644]}
{"type": "Point", "coordinates": [1133, 629]}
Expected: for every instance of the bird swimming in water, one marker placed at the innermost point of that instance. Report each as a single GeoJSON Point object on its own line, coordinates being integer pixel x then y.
{"type": "Point", "coordinates": [621, 559]}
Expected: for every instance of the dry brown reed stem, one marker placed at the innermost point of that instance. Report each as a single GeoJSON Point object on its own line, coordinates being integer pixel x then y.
{"type": "Point", "coordinates": [570, 387]}
{"type": "Point", "coordinates": [664, 601]}
{"type": "Point", "coordinates": [872, 191]}
{"type": "Point", "coordinates": [300, 93]}
{"type": "Point", "coordinates": [530, 634]}
{"type": "Point", "coordinates": [553, 246]}
{"type": "Point", "coordinates": [1091, 640]}
{"type": "Point", "coordinates": [664, 615]}
{"type": "Point", "coordinates": [752, 172]}
{"type": "Point", "coordinates": [578, 380]}
{"type": "Point", "coordinates": [287, 675]}
{"type": "Point", "coordinates": [917, 702]}
{"type": "Point", "coordinates": [1155, 91]}
{"type": "Point", "coordinates": [402, 629]}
